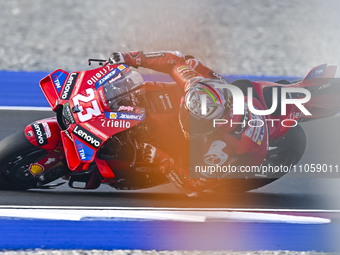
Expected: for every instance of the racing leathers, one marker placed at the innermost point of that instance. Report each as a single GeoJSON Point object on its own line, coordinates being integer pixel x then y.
{"type": "Point", "coordinates": [239, 141]}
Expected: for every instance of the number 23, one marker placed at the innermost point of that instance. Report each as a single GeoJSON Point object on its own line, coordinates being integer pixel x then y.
{"type": "Point", "coordinates": [90, 111]}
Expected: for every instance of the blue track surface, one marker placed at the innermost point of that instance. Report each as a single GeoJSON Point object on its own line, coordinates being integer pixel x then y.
{"type": "Point", "coordinates": [22, 88]}
{"type": "Point", "coordinates": [29, 234]}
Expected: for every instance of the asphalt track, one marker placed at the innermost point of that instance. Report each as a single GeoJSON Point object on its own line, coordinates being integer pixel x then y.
{"type": "Point", "coordinates": [298, 193]}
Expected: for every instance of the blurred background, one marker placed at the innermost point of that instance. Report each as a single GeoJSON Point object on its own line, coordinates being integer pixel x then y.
{"type": "Point", "coordinates": [260, 37]}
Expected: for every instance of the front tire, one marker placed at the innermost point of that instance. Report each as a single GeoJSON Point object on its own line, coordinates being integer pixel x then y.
{"type": "Point", "coordinates": [16, 155]}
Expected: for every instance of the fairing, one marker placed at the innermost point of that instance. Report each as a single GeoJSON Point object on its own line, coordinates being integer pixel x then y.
{"type": "Point", "coordinates": [88, 119]}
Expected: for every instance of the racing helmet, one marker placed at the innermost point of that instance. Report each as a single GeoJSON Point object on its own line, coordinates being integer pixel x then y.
{"type": "Point", "coordinates": [119, 90]}
{"type": "Point", "coordinates": [196, 122]}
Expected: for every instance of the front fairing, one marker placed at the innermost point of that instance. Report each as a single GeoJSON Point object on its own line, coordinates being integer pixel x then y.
{"type": "Point", "coordinates": [88, 122]}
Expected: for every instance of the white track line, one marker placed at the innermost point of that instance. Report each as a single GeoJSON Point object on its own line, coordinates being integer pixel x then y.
{"type": "Point", "coordinates": [157, 214]}
{"type": "Point", "coordinates": [76, 215]}
{"type": "Point", "coordinates": [167, 209]}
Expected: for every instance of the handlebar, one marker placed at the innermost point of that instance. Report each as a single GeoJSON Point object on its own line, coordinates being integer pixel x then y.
{"type": "Point", "coordinates": [101, 61]}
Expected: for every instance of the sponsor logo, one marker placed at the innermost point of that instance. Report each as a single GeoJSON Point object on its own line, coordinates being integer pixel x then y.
{"type": "Point", "coordinates": [69, 86]}
{"type": "Point", "coordinates": [95, 131]}
{"type": "Point", "coordinates": [106, 77]}
{"type": "Point", "coordinates": [129, 116]}
{"type": "Point", "coordinates": [215, 155]}
{"type": "Point", "coordinates": [49, 161]}
{"type": "Point", "coordinates": [29, 133]}
{"type": "Point", "coordinates": [86, 136]}
{"type": "Point", "coordinates": [99, 75]}
{"type": "Point", "coordinates": [115, 123]}
{"type": "Point", "coordinates": [125, 108]}
{"type": "Point", "coordinates": [154, 55]}
{"type": "Point", "coordinates": [174, 177]}
{"type": "Point", "coordinates": [126, 70]}
{"type": "Point", "coordinates": [102, 96]}
{"type": "Point", "coordinates": [261, 136]}
{"type": "Point", "coordinates": [168, 100]}
{"type": "Point", "coordinates": [56, 82]}
{"type": "Point", "coordinates": [68, 134]}
{"type": "Point", "coordinates": [47, 130]}
{"type": "Point", "coordinates": [217, 76]}
{"type": "Point", "coordinates": [115, 78]}
{"type": "Point", "coordinates": [58, 148]}
{"type": "Point", "coordinates": [124, 116]}
{"type": "Point", "coordinates": [81, 152]}
{"type": "Point", "coordinates": [36, 169]}
{"type": "Point", "coordinates": [161, 97]}
{"type": "Point", "coordinates": [85, 153]}
{"type": "Point", "coordinates": [134, 54]}
{"type": "Point", "coordinates": [254, 130]}
{"type": "Point", "coordinates": [316, 72]}
{"type": "Point", "coordinates": [186, 74]}
{"type": "Point", "coordinates": [58, 79]}
{"type": "Point", "coordinates": [249, 131]}
{"type": "Point", "coordinates": [296, 115]}
{"type": "Point", "coordinates": [121, 67]}
{"type": "Point", "coordinates": [68, 114]}
{"type": "Point", "coordinates": [79, 81]}
{"type": "Point", "coordinates": [39, 133]}
{"type": "Point", "coordinates": [181, 68]}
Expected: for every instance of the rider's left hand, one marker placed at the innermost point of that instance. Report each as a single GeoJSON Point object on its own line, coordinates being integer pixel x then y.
{"type": "Point", "coordinates": [149, 153]}
{"type": "Point", "coordinates": [117, 58]}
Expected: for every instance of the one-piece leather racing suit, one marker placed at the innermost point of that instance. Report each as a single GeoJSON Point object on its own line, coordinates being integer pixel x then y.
{"type": "Point", "coordinates": [238, 145]}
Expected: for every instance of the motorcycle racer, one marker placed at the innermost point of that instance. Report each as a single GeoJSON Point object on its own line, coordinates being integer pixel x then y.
{"type": "Point", "coordinates": [219, 145]}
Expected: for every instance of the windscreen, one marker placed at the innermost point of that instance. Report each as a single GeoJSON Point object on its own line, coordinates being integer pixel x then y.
{"type": "Point", "coordinates": [119, 88]}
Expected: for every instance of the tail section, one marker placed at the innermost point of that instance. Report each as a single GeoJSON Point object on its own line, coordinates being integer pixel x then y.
{"type": "Point", "coordinates": [325, 91]}
{"type": "Point", "coordinates": [316, 72]}
{"type": "Point", "coordinates": [321, 71]}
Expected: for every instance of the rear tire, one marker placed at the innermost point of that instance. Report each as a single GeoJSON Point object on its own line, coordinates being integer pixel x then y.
{"type": "Point", "coordinates": [289, 152]}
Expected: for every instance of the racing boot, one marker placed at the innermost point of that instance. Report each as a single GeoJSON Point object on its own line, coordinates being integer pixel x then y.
{"type": "Point", "coordinates": [178, 175]}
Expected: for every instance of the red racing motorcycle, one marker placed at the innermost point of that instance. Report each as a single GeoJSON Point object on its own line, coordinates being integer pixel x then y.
{"type": "Point", "coordinates": [89, 144]}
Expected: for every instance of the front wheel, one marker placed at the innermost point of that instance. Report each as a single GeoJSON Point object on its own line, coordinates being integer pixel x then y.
{"type": "Point", "coordinates": [16, 156]}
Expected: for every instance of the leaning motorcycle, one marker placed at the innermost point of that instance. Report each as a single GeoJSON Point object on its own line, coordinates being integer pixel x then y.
{"type": "Point", "coordinates": [100, 125]}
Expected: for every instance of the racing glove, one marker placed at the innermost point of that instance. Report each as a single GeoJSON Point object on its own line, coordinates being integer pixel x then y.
{"type": "Point", "coordinates": [178, 175]}
{"type": "Point", "coordinates": [133, 59]}
{"type": "Point", "coordinates": [117, 58]}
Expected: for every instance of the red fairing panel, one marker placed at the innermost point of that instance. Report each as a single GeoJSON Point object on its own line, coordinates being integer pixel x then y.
{"type": "Point", "coordinates": [45, 134]}
{"type": "Point", "coordinates": [51, 86]}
